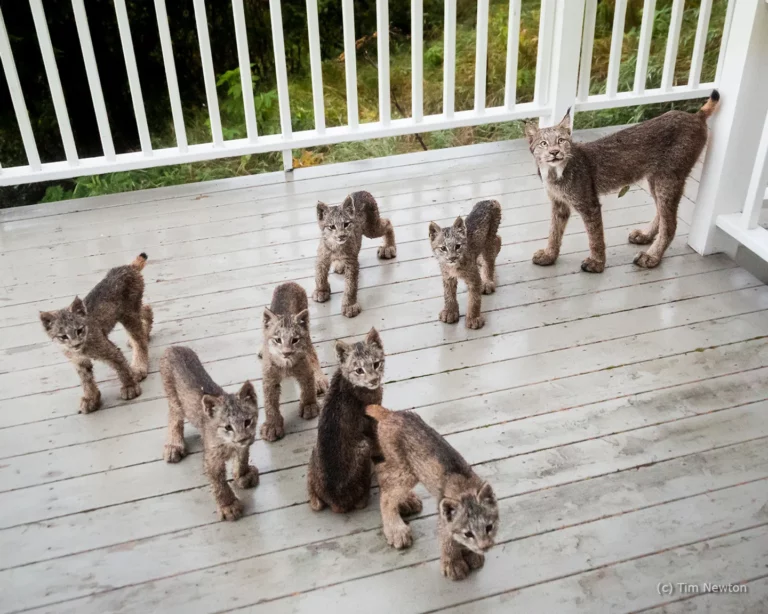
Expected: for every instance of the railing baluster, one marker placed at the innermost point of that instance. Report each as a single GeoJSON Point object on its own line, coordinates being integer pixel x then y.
{"type": "Point", "coordinates": [170, 75]}
{"type": "Point", "coordinates": [544, 52]}
{"type": "Point", "coordinates": [673, 39]}
{"type": "Point", "coordinates": [564, 71]}
{"type": "Point", "coordinates": [94, 83]}
{"type": "Point", "coordinates": [481, 55]}
{"type": "Point", "coordinates": [52, 73]}
{"type": "Point", "coordinates": [281, 73]}
{"type": "Point", "coordinates": [17, 98]}
{"type": "Point", "coordinates": [209, 76]}
{"type": "Point", "coordinates": [417, 60]}
{"type": "Point", "coordinates": [513, 49]}
{"type": "Point", "coordinates": [753, 205]}
{"type": "Point", "coordinates": [449, 58]}
{"type": "Point", "coordinates": [382, 52]}
{"type": "Point", "coordinates": [316, 66]}
{"type": "Point", "coordinates": [587, 43]}
{"type": "Point", "coordinates": [724, 39]}
{"type": "Point", "coordinates": [133, 76]}
{"type": "Point", "coordinates": [350, 62]}
{"type": "Point", "coordinates": [617, 39]}
{"type": "Point", "coordinates": [644, 46]}
{"type": "Point", "coordinates": [244, 61]}
{"type": "Point", "coordinates": [694, 77]}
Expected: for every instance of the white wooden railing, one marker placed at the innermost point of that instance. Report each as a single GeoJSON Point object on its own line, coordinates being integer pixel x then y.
{"type": "Point", "coordinates": [735, 175]}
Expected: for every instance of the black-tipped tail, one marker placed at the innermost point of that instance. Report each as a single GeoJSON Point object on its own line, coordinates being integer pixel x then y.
{"type": "Point", "coordinates": [711, 105]}
{"type": "Point", "coordinates": [140, 261]}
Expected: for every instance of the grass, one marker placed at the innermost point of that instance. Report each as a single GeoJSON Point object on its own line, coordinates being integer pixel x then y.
{"type": "Point", "coordinates": [267, 108]}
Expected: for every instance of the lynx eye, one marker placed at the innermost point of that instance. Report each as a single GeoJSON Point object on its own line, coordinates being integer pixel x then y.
{"type": "Point", "coordinates": [458, 246]}
{"type": "Point", "coordinates": [295, 340]}
{"type": "Point", "coordinates": [80, 331]}
{"type": "Point", "coordinates": [278, 340]}
{"type": "Point", "coordinates": [229, 428]}
{"type": "Point", "coordinates": [560, 141]}
{"type": "Point", "coordinates": [444, 248]}
{"type": "Point", "coordinates": [488, 528]}
{"type": "Point", "coordinates": [346, 224]}
{"type": "Point", "coordinates": [332, 226]}
{"type": "Point", "coordinates": [359, 371]}
{"type": "Point", "coordinates": [377, 364]}
{"type": "Point", "coordinates": [469, 535]}
{"type": "Point", "coordinates": [247, 423]}
{"type": "Point", "coordinates": [543, 144]}
{"type": "Point", "coordinates": [63, 337]}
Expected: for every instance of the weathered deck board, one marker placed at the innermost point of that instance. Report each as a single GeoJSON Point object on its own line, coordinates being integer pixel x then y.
{"type": "Point", "coordinates": [621, 417]}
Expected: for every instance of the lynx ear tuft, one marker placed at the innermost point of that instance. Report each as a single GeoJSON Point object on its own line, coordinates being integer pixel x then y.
{"type": "Point", "coordinates": [373, 338]}
{"type": "Point", "coordinates": [565, 123]}
{"type": "Point", "coordinates": [269, 316]}
{"type": "Point", "coordinates": [47, 318]}
{"type": "Point", "coordinates": [342, 350]}
{"type": "Point", "coordinates": [209, 404]}
{"type": "Point", "coordinates": [77, 306]}
{"type": "Point", "coordinates": [247, 393]}
{"type": "Point", "coordinates": [459, 223]}
{"type": "Point", "coordinates": [434, 230]}
{"type": "Point", "coordinates": [531, 130]}
{"type": "Point", "coordinates": [302, 319]}
{"type": "Point", "coordinates": [485, 494]}
{"type": "Point", "coordinates": [448, 509]}
{"type": "Point", "coordinates": [322, 211]}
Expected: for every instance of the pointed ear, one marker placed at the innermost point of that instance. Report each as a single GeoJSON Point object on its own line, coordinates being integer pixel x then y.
{"type": "Point", "coordinates": [448, 509]}
{"type": "Point", "coordinates": [322, 211]}
{"type": "Point", "coordinates": [373, 338]}
{"type": "Point", "coordinates": [531, 130]}
{"type": "Point", "coordinates": [565, 123]}
{"type": "Point", "coordinates": [348, 206]}
{"type": "Point", "coordinates": [302, 319]}
{"type": "Point", "coordinates": [434, 230]}
{"type": "Point", "coordinates": [77, 306]}
{"type": "Point", "coordinates": [459, 223]}
{"type": "Point", "coordinates": [342, 349]}
{"type": "Point", "coordinates": [209, 404]}
{"type": "Point", "coordinates": [486, 495]}
{"type": "Point", "coordinates": [269, 316]}
{"type": "Point", "coordinates": [247, 394]}
{"type": "Point", "coordinates": [47, 318]}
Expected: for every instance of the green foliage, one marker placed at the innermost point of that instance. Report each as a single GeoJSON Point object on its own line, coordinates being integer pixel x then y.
{"type": "Point", "coordinates": [334, 89]}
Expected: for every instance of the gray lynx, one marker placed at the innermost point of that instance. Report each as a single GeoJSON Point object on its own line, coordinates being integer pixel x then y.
{"type": "Point", "coordinates": [342, 229]}
{"type": "Point", "coordinates": [226, 422]}
{"type": "Point", "coordinates": [288, 352]}
{"type": "Point", "coordinates": [468, 250]}
{"type": "Point", "coordinates": [409, 451]}
{"type": "Point", "coordinates": [662, 150]}
{"type": "Point", "coordinates": [82, 331]}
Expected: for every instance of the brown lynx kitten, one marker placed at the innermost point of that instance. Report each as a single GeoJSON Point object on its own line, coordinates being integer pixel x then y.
{"type": "Point", "coordinates": [82, 331]}
{"type": "Point", "coordinates": [468, 250]}
{"type": "Point", "coordinates": [662, 150]}
{"type": "Point", "coordinates": [342, 230]}
{"type": "Point", "coordinates": [227, 425]}
{"type": "Point", "coordinates": [414, 452]}
{"type": "Point", "coordinates": [288, 352]}
{"type": "Point", "coordinates": [340, 465]}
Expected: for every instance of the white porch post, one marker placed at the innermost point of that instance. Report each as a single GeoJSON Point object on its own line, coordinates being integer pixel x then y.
{"type": "Point", "coordinates": [735, 128]}
{"type": "Point", "coordinates": [564, 71]}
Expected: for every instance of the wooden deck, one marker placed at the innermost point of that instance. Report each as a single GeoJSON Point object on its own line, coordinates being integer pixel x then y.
{"type": "Point", "coordinates": [622, 418]}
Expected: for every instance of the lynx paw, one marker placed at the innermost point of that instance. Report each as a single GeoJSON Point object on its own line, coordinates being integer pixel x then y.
{"type": "Point", "coordinates": [455, 569]}
{"type": "Point", "coordinates": [249, 479]}
{"type": "Point", "coordinates": [410, 505]}
{"type": "Point", "coordinates": [387, 251]}
{"type": "Point", "coordinates": [338, 267]}
{"type": "Point", "coordinates": [473, 559]}
{"type": "Point", "coordinates": [316, 503]}
{"type": "Point", "coordinates": [89, 404]}
{"type": "Point", "coordinates": [140, 373]}
{"type": "Point", "coordinates": [476, 322]}
{"type": "Point", "coordinates": [638, 237]}
{"type": "Point", "coordinates": [489, 287]}
{"type": "Point", "coordinates": [590, 265]}
{"type": "Point", "coordinates": [350, 311]}
{"type": "Point", "coordinates": [544, 258]}
{"type": "Point", "coordinates": [646, 261]}
{"type": "Point", "coordinates": [130, 392]}
{"type": "Point", "coordinates": [233, 511]}
{"type": "Point", "coordinates": [309, 411]}
{"type": "Point", "coordinates": [272, 431]}
{"type": "Point", "coordinates": [321, 384]}
{"type": "Point", "coordinates": [449, 316]}
{"type": "Point", "coordinates": [174, 453]}
{"type": "Point", "coordinates": [320, 296]}
{"type": "Point", "coordinates": [399, 536]}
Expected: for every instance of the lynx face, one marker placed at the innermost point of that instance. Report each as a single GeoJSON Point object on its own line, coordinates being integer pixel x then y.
{"type": "Point", "coordinates": [67, 327]}
{"type": "Point", "coordinates": [449, 244]}
{"type": "Point", "coordinates": [337, 224]}
{"type": "Point", "coordinates": [362, 363]}
{"type": "Point", "coordinates": [234, 415]}
{"type": "Point", "coordinates": [473, 519]}
{"type": "Point", "coordinates": [551, 147]}
{"type": "Point", "coordinates": [286, 336]}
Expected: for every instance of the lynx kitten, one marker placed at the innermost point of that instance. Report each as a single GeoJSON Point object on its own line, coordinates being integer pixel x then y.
{"type": "Point", "coordinates": [340, 465]}
{"type": "Point", "coordinates": [288, 352]}
{"type": "Point", "coordinates": [82, 329]}
{"type": "Point", "coordinates": [662, 150]}
{"type": "Point", "coordinates": [413, 452]}
{"type": "Point", "coordinates": [342, 230]}
{"type": "Point", "coordinates": [468, 250]}
{"type": "Point", "coordinates": [227, 424]}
